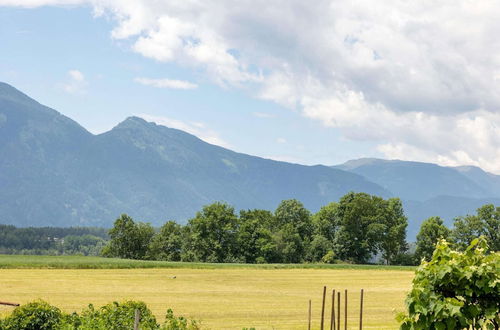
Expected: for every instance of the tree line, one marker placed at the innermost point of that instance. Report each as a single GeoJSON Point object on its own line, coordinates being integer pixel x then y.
{"type": "Point", "coordinates": [52, 240]}
{"type": "Point", "coordinates": [359, 228]}
{"type": "Point", "coordinates": [486, 223]}
{"type": "Point", "coordinates": [354, 229]}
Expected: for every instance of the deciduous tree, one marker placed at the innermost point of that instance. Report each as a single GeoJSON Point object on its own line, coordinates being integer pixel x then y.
{"type": "Point", "coordinates": [431, 231]}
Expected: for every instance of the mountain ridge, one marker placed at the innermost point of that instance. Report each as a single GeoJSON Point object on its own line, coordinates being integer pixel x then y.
{"type": "Point", "coordinates": [55, 172]}
{"type": "Point", "coordinates": [152, 172]}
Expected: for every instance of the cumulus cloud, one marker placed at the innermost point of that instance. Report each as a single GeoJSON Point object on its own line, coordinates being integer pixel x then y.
{"type": "Point", "coordinates": [76, 83]}
{"type": "Point", "coordinates": [419, 77]}
{"type": "Point", "coordinates": [166, 83]}
{"type": "Point", "coordinates": [196, 128]}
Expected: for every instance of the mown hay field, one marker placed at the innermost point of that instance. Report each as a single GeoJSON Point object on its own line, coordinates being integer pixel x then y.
{"type": "Point", "coordinates": [222, 298]}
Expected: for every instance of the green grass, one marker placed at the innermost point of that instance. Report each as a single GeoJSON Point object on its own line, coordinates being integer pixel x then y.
{"type": "Point", "coordinates": [81, 262]}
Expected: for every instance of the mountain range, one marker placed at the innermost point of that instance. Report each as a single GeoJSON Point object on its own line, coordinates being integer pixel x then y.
{"type": "Point", "coordinates": [53, 172]}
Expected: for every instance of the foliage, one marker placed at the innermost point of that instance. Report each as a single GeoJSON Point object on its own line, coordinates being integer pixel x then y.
{"type": "Point", "coordinates": [326, 221]}
{"type": "Point", "coordinates": [40, 315]}
{"type": "Point", "coordinates": [391, 229]}
{"type": "Point", "coordinates": [431, 231]}
{"type": "Point", "coordinates": [36, 315]}
{"type": "Point", "coordinates": [354, 230]}
{"type": "Point", "coordinates": [129, 239]}
{"type": "Point", "coordinates": [173, 322]}
{"type": "Point", "coordinates": [255, 238]}
{"type": "Point", "coordinates": [319, 248]}
{"type": "Point", "coordinates": [367, 224]}
{"type": "Point", "coordinates": [52, 240]}
{"type": "Point", "coordinates": [455, 290]}
{"type": "Point", "coordinates": [359, 228]}
{"type": "Point", "coordinates": [485, 223]}
{"type": "Point", "coordinates": [167, 243]}
{"type": "Point", "coordinates": [295, 227]}
{"type": "Point", "coordinates": [116, 316]}
{"type": "Point", "coordinates": [213, 233]}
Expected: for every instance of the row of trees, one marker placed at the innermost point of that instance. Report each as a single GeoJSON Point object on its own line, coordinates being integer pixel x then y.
{"type": "Point", "coordinates": [52, 240]}
{"type": "Point", "coordinates": [465, 229]}
{"type": "Point", "coordinates": [354, 229]}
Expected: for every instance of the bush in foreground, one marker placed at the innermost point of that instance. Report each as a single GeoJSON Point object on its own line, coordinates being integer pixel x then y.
{"type": "Point", "coordinates": [455, 290]}
{"type": "Point", "coordinates": [35, 315]}
{"type": "Point", "coordinates": [40, 315]}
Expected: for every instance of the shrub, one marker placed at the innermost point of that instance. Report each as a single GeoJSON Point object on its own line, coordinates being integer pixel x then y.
{"type": "Point", "coordinates": [39, 315]}
{"type": "Point", "coordinates": [328, 258]}
{"type": "Point", "coordinates": [35, 315]}
{"type": "Point", "coordinates": [117, 316]}
{"type": "Point", "coordinates": [173, 322]}
{"type": "Point", "coordinates": [455, 290]}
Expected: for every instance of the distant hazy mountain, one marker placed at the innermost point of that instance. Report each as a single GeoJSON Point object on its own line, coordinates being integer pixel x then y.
{"type": "Point", "coordinates": [54, 172]}
{"type": "Point", "coordinates": [420, 181]}
{"type": "Point", "coordinates": [489, 181]}
{"type": "Point", "coordinates": [428, 189]}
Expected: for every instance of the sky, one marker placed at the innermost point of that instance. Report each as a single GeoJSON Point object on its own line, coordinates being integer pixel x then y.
{"type": "Point", "coordinates": [310, 82]}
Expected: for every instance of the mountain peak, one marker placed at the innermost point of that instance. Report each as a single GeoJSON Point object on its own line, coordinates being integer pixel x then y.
{"type": "Point", "coordinates": [134, 122]}
{"type": "Point", "coordinates": [10, 93]}
{"type": "Point", "coordinates": [355, 163]}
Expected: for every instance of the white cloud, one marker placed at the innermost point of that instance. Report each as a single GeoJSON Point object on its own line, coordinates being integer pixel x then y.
{"type": "Point", "coordinates": [419, 77]}
{"type": "Point", "coordinates": [166, 83]}
{"type": "Point", "coordinates": [76, 83]}
{"type": "Point", "coordinates": [196, 128]}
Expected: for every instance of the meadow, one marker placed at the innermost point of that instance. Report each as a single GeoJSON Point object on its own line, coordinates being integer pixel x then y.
{"type": "Point", "coordinates": [221, 296]}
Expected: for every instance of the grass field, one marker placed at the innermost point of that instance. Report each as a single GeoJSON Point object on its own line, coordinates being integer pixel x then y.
{"type": "Point", "coordinates": [80, 262]}
{"type": "Point", "coordinates": [221, 296]}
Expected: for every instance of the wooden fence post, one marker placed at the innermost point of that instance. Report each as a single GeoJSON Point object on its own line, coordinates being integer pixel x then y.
{"type": "Point", "coordinates": [137, 319]}
{"type": "Point", "coordinates": [323, 309]}
{"type": "Point", "coordinates": [345, 311]}
{"type": "Point", "coordinates": [332, 316]}
{"type": "Point", "coordinates": [338, 310]}
{"type": "Point", "coordinates": [309, 318]}
{"type": "Point", "coordinates": [361, 311]}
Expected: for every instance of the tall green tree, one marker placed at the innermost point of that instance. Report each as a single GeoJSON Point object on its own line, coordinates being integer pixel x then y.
{"type": "Point", "coordinates": [295, 229]}
{"type": "Point", "coordinates": [391, 229]}
{"type": "Point", "coordinates": [325, 225]}
{"type": "Point", "coordinates": [255, 239]}
{"type": "Point", "coordinates": [431, 231]}
{"type": "Point", "coordinates": [167, 243]}
{"type": "Point", "coordinates": [213, 234]}
{"type": "Point", "coordinates": [129, 239]}
{"type": "Point", "coordinates": [326, 221]}
{"type": "Point", "coordinates": [357, 237]}
{"type": "Point", "coordinates": [486, 223]}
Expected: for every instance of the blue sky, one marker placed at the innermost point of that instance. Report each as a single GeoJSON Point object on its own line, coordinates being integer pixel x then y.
{"type": "Point", "coordinates": [322, 82]}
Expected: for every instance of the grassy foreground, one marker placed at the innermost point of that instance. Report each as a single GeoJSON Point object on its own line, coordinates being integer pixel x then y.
{"type": "Point", "coordinates": [221, 296]}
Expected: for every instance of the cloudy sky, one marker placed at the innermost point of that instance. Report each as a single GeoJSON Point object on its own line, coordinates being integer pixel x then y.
{"type": "Point", "coordinates": [302, 81]}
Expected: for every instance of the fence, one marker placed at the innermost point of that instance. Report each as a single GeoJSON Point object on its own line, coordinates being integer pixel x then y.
{"type": "Point", "coordinates": [335, 319]}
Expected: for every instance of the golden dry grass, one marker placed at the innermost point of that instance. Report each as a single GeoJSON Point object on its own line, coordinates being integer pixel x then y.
{"type": "Point", "coordinates": [220, 298]}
